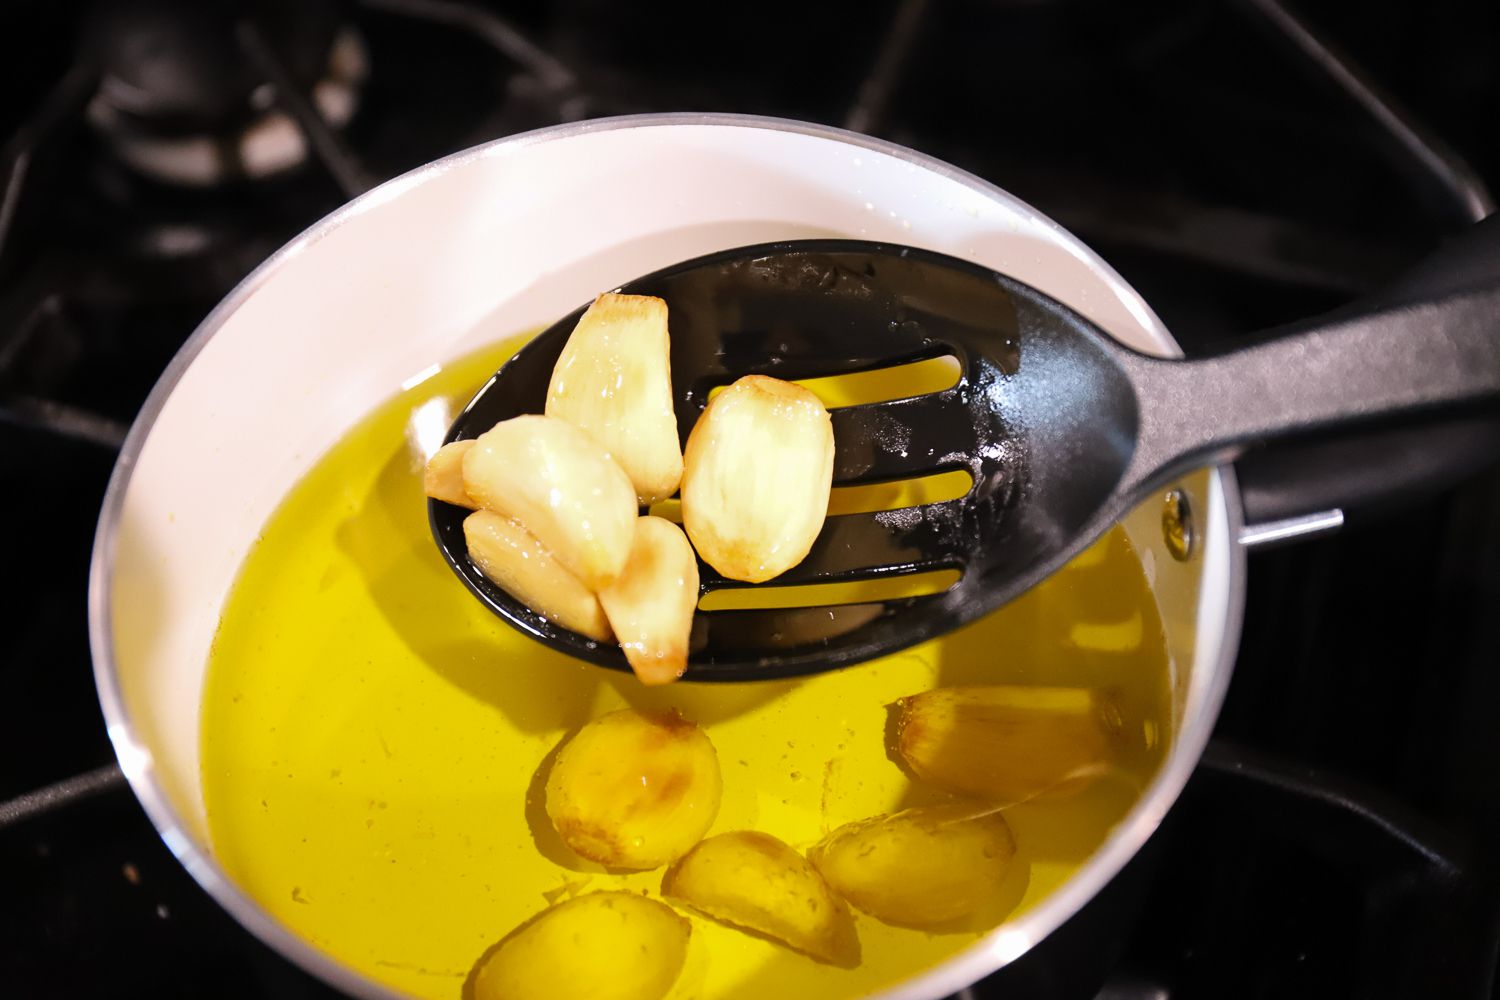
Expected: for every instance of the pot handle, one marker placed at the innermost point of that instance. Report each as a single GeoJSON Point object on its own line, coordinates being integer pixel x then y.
{"type": "Point", "coordinates": [1298, 488]}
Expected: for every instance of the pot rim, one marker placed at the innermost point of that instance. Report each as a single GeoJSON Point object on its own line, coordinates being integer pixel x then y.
{"type": "Point", "coordinates": [995, 950]}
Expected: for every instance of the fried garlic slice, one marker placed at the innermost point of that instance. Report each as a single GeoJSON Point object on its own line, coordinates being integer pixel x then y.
{"type": "Point", "coordinates": [634, 789]}
{"type": "Point", "coordinates": [753, 880]}
{"type": "Point", "coordinates": [757, 475]}
{"type": "Point", "coordinates": [600, 946]}
{"type": "Point", "coordinates": [443, 479]}
{"type": "Point", "coordinates": [614, 380]}
{"type": "Point", "coordinates": [919, 867]}
{"type": "Point", "coordinates": [1008, 744]}
{"type": "Point", "coordinates": [650, 606]}
{"type": "Point", "coordinates": [562, 486]}
{"type": "Point", "coordinates": [512, 558]}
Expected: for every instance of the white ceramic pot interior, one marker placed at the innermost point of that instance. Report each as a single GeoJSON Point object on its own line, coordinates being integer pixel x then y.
{"type": "Point", "coordinates": [505, 238]}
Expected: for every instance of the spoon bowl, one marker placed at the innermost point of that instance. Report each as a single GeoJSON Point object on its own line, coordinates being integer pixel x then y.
{"type": "Point", "coordinates": [1061, 428]}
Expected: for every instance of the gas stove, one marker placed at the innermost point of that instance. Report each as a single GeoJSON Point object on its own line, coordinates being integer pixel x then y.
{"type": "Point", "coordinates": [1240, 163]}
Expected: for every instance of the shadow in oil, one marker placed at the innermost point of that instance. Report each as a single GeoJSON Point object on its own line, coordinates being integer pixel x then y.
{"type": "Point", "coordinates": [703, 702]}
{"type": "Point", "coordinates": [386, 539]}
{"type": "Point", "coordinates": [544, 835]}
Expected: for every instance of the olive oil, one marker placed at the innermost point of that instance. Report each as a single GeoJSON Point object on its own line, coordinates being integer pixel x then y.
{"type": "Point", "coordinates": [375, 744]}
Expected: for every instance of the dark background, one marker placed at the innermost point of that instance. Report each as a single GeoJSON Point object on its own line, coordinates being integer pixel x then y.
{"type": "Point", "coordinates": [1337, 842]}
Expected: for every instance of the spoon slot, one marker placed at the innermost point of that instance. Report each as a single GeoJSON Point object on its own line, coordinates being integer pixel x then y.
{"type": "Point", "coordinates": [897, 494]}
{"type": "Point", "coordinates": [880, 385]}
{"type": "Point", "coordinates": [821, 595]}
{"type": "Point", "coordinates": [881, 543]}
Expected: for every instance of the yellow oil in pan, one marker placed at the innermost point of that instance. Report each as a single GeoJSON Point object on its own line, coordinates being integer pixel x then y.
{"type": "Point", "coordinates": [373, 737]}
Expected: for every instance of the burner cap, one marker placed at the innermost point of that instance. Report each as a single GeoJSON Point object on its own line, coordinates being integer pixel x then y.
{"type": "Point", "coordinates": [180, 101]}
{"type": "Point", "coordinates": [174, 67]}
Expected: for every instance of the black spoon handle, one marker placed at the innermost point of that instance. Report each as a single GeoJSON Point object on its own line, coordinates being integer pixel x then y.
{"type": "Point", "coordinates": [1391, 360]}
{"type": "Point", "coordinates": [1377, 470]}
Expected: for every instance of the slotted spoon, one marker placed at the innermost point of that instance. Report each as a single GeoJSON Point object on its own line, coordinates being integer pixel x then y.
{"type": "Point", "coordinates": [1062, 428]}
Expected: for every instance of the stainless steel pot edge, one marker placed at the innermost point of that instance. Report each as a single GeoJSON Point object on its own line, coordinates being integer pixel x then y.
{"type": "Point", "coordinates": [1001, 947]}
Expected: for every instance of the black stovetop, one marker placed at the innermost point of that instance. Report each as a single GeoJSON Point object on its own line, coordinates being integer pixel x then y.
{"type": "Point", "coordinates": [1335, 842]}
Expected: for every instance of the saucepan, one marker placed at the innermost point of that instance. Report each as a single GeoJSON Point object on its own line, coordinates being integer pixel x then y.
{"type": "Point", "coordinates": [380, 298]}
